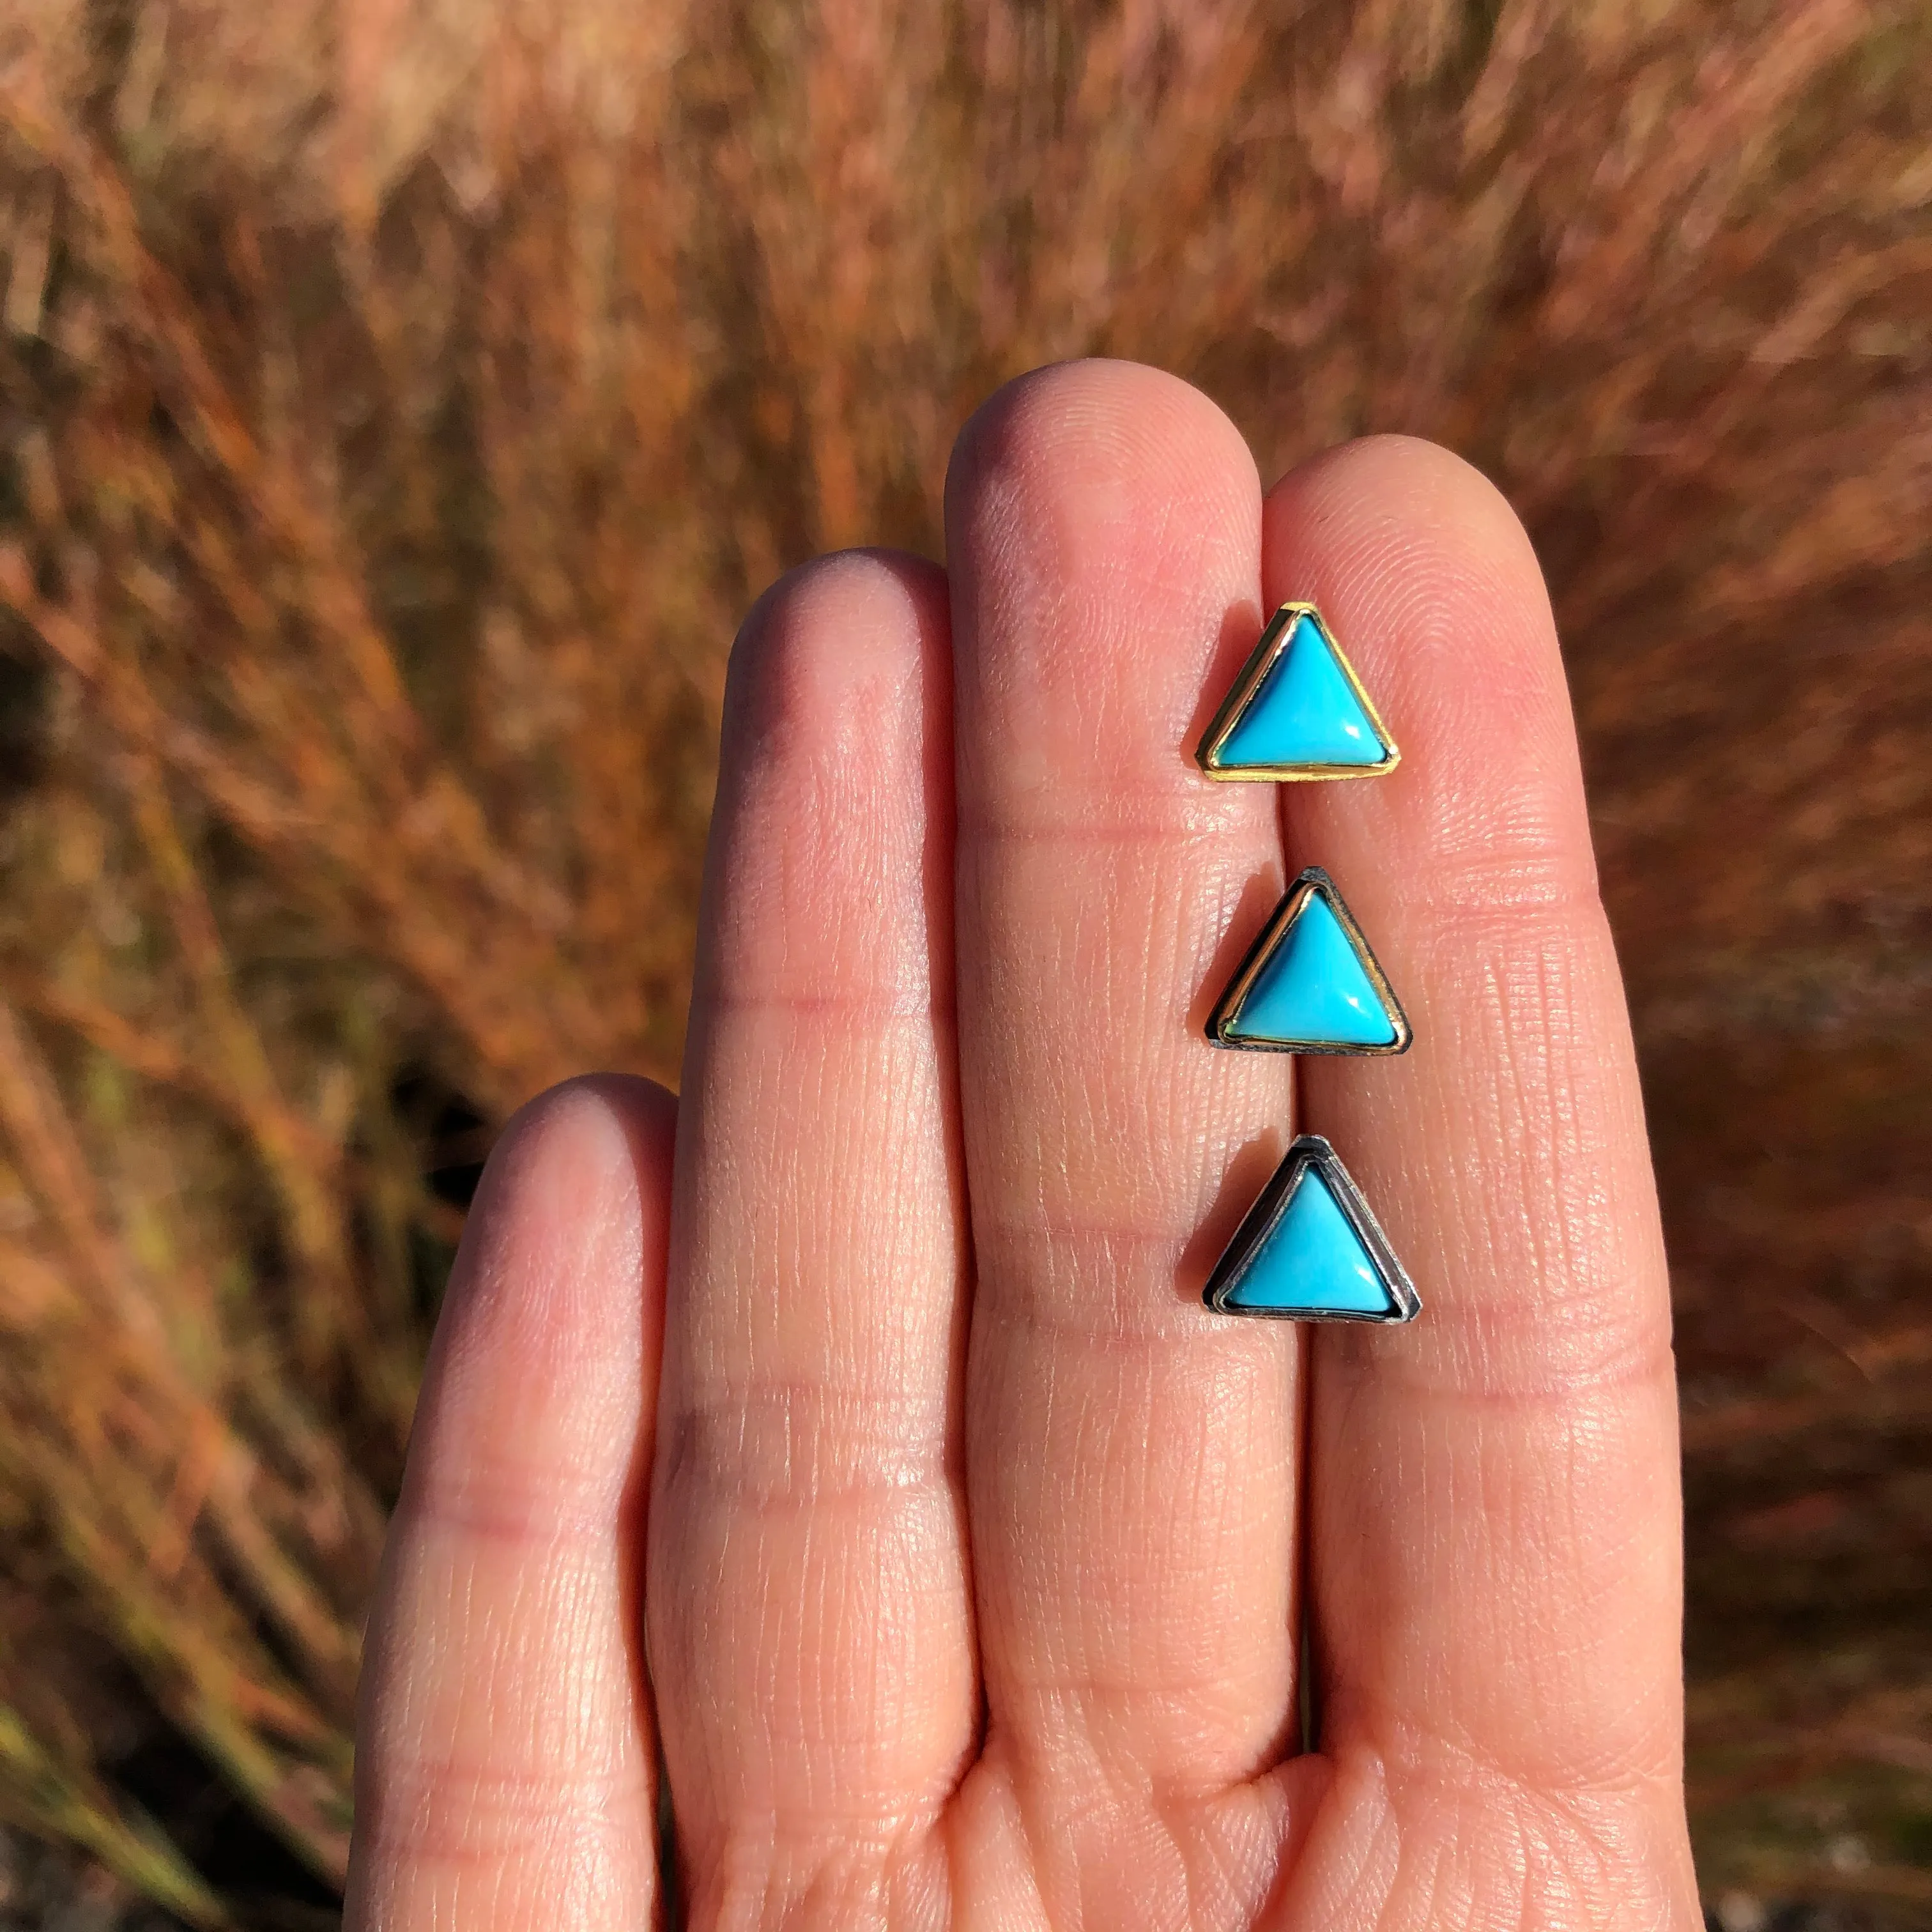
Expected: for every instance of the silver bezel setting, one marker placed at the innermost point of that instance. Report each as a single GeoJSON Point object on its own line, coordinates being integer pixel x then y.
{"type": "Point", "coordinates": [1310, 1152]}
{"type": "Point", "coordinates": [1313, 882]}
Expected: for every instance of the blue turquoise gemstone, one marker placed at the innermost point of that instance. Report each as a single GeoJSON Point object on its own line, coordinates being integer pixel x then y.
{"type": "Point", "coordinates": [1312, 1261]}
{"type": "Point", "coordinates": [1305, 712]}
{"type": "Point", "coordinates": [1313, 988]}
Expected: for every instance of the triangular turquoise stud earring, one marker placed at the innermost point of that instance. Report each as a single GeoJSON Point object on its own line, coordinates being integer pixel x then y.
{"type": "Point", "coordinates": [1297, 711]}
{"type": "Point", "coordinates": [1310, 1250]}
{"type": "Point", "coordinates": [1309, 983]}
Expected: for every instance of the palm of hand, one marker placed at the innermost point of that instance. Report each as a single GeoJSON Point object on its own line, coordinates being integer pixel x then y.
{"type": "Point", "coordinates": [966, 1549]}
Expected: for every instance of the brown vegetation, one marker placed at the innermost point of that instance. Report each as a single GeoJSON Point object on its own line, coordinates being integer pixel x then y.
{"type": "Point", "coordinates": [398, 404]}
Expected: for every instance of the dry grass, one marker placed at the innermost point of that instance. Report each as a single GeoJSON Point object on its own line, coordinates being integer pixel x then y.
{"type": "Point", "coordinates": [399, 404]}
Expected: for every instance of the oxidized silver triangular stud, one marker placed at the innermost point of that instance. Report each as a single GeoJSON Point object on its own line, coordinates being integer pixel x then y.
{"type": "Point", "coordinates": [1310, 1250]}
{"type": "Point", "coordinates": [1309, 983]}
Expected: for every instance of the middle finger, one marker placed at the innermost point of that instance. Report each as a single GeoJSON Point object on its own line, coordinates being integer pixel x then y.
{"type": "Point", "coordinates": [1131, 1458]}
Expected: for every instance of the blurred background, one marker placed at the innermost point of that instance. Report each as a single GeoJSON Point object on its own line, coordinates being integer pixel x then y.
{"type": "Point", "coordinates": [400, 401]}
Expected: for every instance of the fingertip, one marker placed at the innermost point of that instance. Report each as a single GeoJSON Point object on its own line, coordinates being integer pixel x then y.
{"type": "Point", "coordinates": [1432, 585]}
{"type": "Point", "coordinates": [577, 1150]}
{"type": "Point", "coordinates": [826, 643]}
{"type": "Point", "coordinates": [1106, 397]}
{"type": "Point", "coordinates": [1103, 537]}
{"type": "Point", "coordinates": [1093, 444]}
{"type": "Point", "coordinates": [830, 838]}
{"type": "Point", "coordinates": [1425, 560]}
{"type": "Point", "coordinates": [606, 1123]}
{"type": "Point", "coordinates": [1420, 487]}
{"type": "Point", "coordinates": [562, 1259]}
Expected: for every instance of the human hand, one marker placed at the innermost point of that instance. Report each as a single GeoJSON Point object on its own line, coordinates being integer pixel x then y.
{"type": "Point", "coordinates": [967, 1549]}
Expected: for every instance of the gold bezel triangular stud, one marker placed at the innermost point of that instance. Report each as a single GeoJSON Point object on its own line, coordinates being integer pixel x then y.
{"type": "Point", "coordinates": [1218, 755]}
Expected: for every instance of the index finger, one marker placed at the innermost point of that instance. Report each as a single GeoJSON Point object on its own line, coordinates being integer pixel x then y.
{"type": "Point", "coordinates": [1494, 1517]}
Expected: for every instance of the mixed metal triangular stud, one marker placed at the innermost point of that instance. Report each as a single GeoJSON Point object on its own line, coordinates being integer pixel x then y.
{"type": "Point", "coordinates": [1309, 984]}
{"type": "Point", "coordinates": [1310, 1250]}
{"type": "Point", "coordinates": [1297, 711]}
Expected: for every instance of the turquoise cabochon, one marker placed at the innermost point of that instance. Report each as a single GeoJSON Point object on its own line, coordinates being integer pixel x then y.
{"type": "Point", "coordinates": [1312, 988]}
{"type": "Point", "coordinates": [1310, 1250]}
{"type": "Point", "coordinates": [1312, 1261]}
{"type": "Point", "coordinates": [1304, 712]}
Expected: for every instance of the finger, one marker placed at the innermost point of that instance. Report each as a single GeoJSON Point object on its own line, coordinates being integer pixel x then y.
{"type": "Point", "coordinates": [1493, 1491]}
{"type": "Point", "coordinates": [1131, 1458]}
{"type": "Point", "coordinates": [810, 1629]}
{"type": "Point", "coordinates": [504, 1762]}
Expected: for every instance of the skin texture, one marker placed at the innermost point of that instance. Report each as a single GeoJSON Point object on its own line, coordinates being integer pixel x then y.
{"type": "Point", "coordinates": [950, 1552]}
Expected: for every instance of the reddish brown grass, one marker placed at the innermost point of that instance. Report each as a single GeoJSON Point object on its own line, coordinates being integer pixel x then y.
{"type": "Point", "coordinates": [400, 405]}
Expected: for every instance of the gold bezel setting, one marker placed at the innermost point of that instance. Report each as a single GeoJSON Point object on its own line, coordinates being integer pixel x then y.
{"type": "Point", "coordinates": [1274, 641]}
